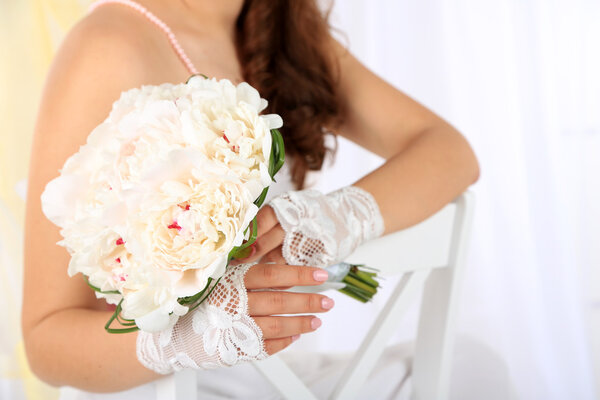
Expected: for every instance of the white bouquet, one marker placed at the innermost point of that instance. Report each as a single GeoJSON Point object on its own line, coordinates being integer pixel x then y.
{"type": "Point", "coordinates": [163, 194]}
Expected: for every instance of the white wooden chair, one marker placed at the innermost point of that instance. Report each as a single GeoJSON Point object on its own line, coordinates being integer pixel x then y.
{"type": "Point", "coordinates": [430, 255]}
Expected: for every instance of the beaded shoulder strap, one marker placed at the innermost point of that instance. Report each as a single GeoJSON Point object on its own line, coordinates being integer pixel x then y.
{"type": "Point", "coordinates": [158, 22]}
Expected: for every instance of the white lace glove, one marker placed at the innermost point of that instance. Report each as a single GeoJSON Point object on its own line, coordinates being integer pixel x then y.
{"type": "Point", "coordinates": [218, 333]}
{"type": "Point", "coordinates": [322, 230]}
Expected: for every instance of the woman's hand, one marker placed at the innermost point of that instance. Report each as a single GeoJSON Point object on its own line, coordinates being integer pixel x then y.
{"type": "Point", "coordinates": [269, 239]}
{"type": "Point", "coordinates": [307, 227]}
{"type": "Point", "coordinates": [239, 321]}
{"type": "Point", "coordinates": [265, 306]}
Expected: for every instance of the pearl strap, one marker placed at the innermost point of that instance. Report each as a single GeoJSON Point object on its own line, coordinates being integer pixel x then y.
{"type": "Point", "coordinates": [156, 21]}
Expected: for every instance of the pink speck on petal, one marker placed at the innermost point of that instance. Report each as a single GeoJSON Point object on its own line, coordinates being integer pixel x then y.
{"type": "Point", "coordinates": [174, 225]}
{"type": "Point", "coordinates": [120, 242]}
{"type": "Point", "coordinates": [225, 137]}
{"type": "Point", "coordinates": [118, 259]}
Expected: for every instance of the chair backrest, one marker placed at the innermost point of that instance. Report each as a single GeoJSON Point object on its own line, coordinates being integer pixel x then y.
{"type": "Point", "coordinates": [430, 255]}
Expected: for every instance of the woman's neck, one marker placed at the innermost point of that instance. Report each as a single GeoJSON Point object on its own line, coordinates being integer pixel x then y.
{"type": "Point", "coordinates": [214, 18]}
{"type": "Point", "coordinates": [223, 11]}
{"type": "Point", "coordinates": [216, 15]}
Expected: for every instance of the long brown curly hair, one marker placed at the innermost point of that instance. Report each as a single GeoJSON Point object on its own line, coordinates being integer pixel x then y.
{"type": "Point", "coordinates": [281, 46]}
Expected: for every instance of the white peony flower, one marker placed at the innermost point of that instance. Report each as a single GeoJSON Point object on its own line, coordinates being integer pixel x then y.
{"type": "Point", "coordinates": [153, 203]}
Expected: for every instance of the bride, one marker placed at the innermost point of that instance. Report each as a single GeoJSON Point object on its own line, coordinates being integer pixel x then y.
{"type": "Point", "coordinates": [285, 50]}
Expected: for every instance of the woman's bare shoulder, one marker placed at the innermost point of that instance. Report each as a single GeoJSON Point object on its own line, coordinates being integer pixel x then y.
{"type": "Point", "coordinates": [113, 45]}
{"type": "Point", "coordinates": [107, 52]}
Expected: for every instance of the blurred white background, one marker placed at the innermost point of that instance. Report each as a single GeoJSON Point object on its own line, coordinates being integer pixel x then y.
{"type": "Point", "coordinates": [519, 78]}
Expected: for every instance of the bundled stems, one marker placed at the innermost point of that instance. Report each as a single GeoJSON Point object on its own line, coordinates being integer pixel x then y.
{"type": "Point", "coordinates": [360, 284]}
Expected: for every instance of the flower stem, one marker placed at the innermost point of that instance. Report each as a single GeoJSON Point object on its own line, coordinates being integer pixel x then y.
{"type": "Point", "coordinates": [360, 284]}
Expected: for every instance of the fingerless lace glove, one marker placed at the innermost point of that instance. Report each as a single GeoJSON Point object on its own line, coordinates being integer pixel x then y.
{"type": "Point", "coordinates": [322, 230]}
{"type": "Point", "coordinates": [216, 334]}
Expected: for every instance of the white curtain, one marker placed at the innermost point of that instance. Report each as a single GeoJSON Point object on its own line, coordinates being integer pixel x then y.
{"type": "Point", "coordinates": [520, 79]}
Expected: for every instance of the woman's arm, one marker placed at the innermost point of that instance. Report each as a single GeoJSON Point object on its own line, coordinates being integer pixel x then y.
{"type": "Point", "coordinates": [62, 320]}
{"type": "Point", "coordinates": [428, 162]}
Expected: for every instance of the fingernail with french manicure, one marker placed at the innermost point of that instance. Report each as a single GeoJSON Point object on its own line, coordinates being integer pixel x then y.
{"type": "Point", "coordinates": [327, 303]}
{"type": "Point", "coordinates": [320, 275]}
{"type": "Point", "coordinates": [315, 323]}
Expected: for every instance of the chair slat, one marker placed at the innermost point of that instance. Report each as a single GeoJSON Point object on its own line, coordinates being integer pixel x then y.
{"type": "Point", "coordinates": [435, 334]}
{"type": "Point", "coordinates": [284, 379]}
{"type": "Point", "coordinates": [425, 245]}
{"type": "Point", "coordinates": [181, 385]}
{"type": "Point", "coordinates": [374, 343]}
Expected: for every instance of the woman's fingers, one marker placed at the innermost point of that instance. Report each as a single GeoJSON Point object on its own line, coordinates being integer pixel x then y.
{"type": "Point", "coordinates": [266, 242]}
{"type": "Point", "coordinates": [280, 332]}
{"type": "Point", "coordinates": [264, 276]}
{"type": "Point", "coordinates": [268, 233]}
{"type": "Point", "coordinates": [265, 220]}
{"type": "Point", "coordinates": [272, 303]}
{"type": "Point", "coordinates": [274, 256]}
{"type": "Point", "coordinates": [272, 346]}
{"type": "Point", "coordinates": [281, 327]}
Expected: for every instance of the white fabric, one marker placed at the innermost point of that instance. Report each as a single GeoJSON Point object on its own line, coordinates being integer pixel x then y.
{"type": "Point", "coordinates": [322, 230]}
{"type": "Point", "coordinates": [478, 373]}
{"type": "Point", "coordinates": [218, 333]}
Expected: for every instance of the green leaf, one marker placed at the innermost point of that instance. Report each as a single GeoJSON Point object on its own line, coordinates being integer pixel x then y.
{"type": "Point", "coordinates": [277, 152]}
{"type": "Point", "coordinates": [97, 289]}
{"type": "Point", "coordinates": [242, 253]}
{"type": "Point", "coordinates": [244, 249]}
{"type": "Point", "coordinates": [184, 301]}
{"type": "Point", "coordinates": [191, 76]}
{"type": "Point", "coordinates": [263, 195]}
{"type": "Point", "coordinates": [205, 297]}
{"type": "Point", "coordinates": [117, 316]}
